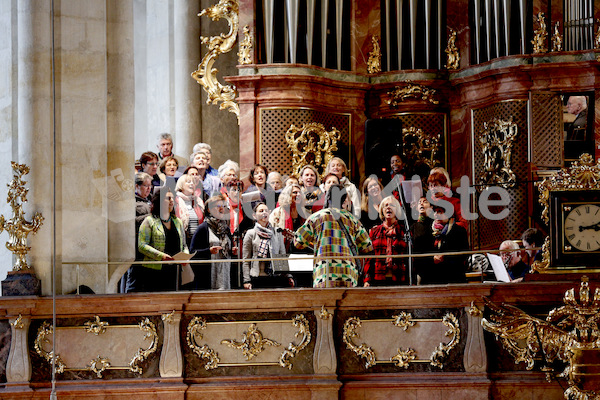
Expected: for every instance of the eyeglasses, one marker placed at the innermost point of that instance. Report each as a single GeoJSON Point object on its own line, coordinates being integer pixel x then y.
{"type": "Point", "coordinates": [152, 164]}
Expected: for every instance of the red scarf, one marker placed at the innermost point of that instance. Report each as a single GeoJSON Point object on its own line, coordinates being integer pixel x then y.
{"type": "Point", "coordinates": [232, 210]}
{"type": "Point", "coordinates": [390, 234]}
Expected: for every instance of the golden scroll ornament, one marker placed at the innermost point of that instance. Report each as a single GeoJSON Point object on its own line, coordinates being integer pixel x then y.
{"type": "Point", "coordinates": [420, 148]}
{"type": "Point", "coordinates": [350, 332]}
{"type": "Point", "coordinates": [206, 75]}
{"type": "Point", "coordinates": [300, 322]}
{"type": "Point", "coordinates": [99, 364]}
{"type": "Point", "coordinates": [539, 39]}
{"type": "Point", "coordinates": [410, 90]}
{"type": "Point", "coordinates": [194, 334]}
{"type": "Point", "coordinates": [18, 322]}
{"type": "Point", "coordinates": [245, 48]}
{"type": "Point", "coordinates": [497, 141]}
{"type": "Point", "coordinates": [96, 326]}
{"type": "Point", "coordinates": [253, 343]}
{"type": "Point", "coordinates": [443, 349]}
{"type": "Point", "coordinates": [168, 317]}
{"type": "Point", "coordinates": [18, 227]}
{"type": "Point", "coordinates": [324, 314]}
{"type": "Point", "coordinates": [557, 39]}
{"type": "Point", "coordinates": [402, 358]}
{"type": "Point", "coordinates": [452, 54]}
{"type": "Point", "coordinates": [570, 335]}
{"type": "Point", "coordinates": [374, 61]}
{"type": "Point", "coordinates": [403, 320]}
{"type": "Point", "coordinates": [311, 144]}
{"type": "Point", "coordinates": [150, 333]}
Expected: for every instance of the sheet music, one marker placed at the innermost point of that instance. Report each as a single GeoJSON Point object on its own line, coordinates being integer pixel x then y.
{"type": "Point", "coordinates": [298, 265]}
{"type": "Point", "coordinates": [499, 268]}
{"type": "Point", "coordinates": [412, 191]}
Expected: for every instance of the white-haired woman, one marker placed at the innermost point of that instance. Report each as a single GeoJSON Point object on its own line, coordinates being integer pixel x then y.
{"type": "Point", "coordinates": [388, 239]}
{"type": "Point", "coordinates": [338, 167]}
{"type": "Point", "coordinates": [190, 206]}
{"type": "Point", "coordinates": [228, 171]}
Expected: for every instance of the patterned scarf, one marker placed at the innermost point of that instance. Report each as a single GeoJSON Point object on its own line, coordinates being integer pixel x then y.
{"type": "Point", "coordinates": [390, 234]}
{"type": "Point", "coordinates": [265, 234]}
{"type": "Point", "coordinates": [440, 230]}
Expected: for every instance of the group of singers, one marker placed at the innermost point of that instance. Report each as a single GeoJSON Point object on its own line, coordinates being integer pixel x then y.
{"type": "Point", "coordinates": [273, 218]}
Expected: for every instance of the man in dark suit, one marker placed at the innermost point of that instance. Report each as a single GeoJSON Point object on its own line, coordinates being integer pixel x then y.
{"type": "Point", "coordinates": [577, 105]}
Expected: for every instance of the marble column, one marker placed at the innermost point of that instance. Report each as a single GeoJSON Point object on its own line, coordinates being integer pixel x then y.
{"type": "Point", "coordinates": [171, 358]}
{"type": "Point", "coordinates": [32, 142]}
{"type": "Point", "coordinates": [120, 143]}
{"type": "Point", "coordinates": [188, 106]}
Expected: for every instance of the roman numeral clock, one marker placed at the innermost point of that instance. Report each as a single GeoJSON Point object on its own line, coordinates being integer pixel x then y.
{"type": "Point", "coordinates": [570, 203]}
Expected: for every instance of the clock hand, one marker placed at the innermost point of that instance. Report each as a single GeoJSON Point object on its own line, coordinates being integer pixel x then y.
{"type": "Point", "coordinates": [595, 227]}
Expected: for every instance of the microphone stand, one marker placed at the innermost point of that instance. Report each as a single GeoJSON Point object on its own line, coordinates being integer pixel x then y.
{"type": "Point", "coordinates": [407, 236]}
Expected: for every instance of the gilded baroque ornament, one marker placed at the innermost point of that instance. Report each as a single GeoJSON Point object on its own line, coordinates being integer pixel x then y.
{"type": "Point", "coordinates": [497, 141]}
{"type": "Point", "coordinates": [569, 335]}
{"type": "Point", "coordinates": [374, 61]}
{"type": "Point", "coordinates": [17, 227]}
{"type": "Point", "coordinates": [324, 314]}
{"type": "Point", "coordinates": [411, 90]}
{"type": "Point", "coordinates": [539, 39]}
{"type": "Point", "coordinates": [96, 326]}
{"type": "Point", "coordinates": [18, 322]}
{"type": "Point", "coordinates": [194, 335]}
{"type": "Point", "coordinates": [311, 144]}
{"type": "Point", "coordinates": [99, 364]}
{"type": "Point", "coordinates": [168, 318]}
{"type": "Point", "coordinates": [453, 332]}
{"type": "Point", "coordinates": [206, 75]}
{"type": "Point", "coordinates": [557, 39]}
{"type": "Point", "coordinates": [403, 357]}
{"type": "Point", "coordinates": [583, 174]}
{"type": "Point", "coordinates": [452, 55]}
{"type": "Point", "coordinates": [253, 343]}
{"type": "Point", "coordinates": [150, 333]}
{"type": "Point", "coordinates": [41, 340]}
{"type": "Point", "coordinates": [403, 320]}
{"type": "Point", "coordinates": [350, 332]}
{"type": "Point", "coordinates": [300, 322]}
{"type": "Point", "coordinates": [245, 48]}
{"type": "Point", "coordinates": [420, 148]}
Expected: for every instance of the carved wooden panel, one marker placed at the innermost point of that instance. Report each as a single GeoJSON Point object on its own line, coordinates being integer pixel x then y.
{"type": "Point", "coordinates": [546, 130]}
{"type": "Point", "coordinates": [274, 123]}
{"type": "Point", "coordinates": [489, 233]}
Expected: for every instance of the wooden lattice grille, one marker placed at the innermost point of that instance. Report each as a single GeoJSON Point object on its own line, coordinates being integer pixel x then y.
{"type": "Point", "coordinates": [546, 130]}
{"type": "Point", "coordinates": [274, 123]}
{"type": "Point", "coordinates": [490, 233]}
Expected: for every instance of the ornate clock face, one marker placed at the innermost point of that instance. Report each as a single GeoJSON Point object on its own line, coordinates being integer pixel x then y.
{"type": "Point", "coordinates": [581, 227]}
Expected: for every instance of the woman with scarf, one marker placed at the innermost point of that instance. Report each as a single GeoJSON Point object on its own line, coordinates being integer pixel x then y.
{"type": "Point", "coordinates": [310, 181]}
{"type": "Point", "coordinates": [388, 239]}
{"type": "Point", "coordinates": [190, 207]}
{"type": "Point", "coordinates": [262, 241]}
{"type": "Point", "coordinates": [213, 241]}
{"type": "Point", "coordinates": [448, 236]}
{"type": "Point", "coordinates": [288, 217]}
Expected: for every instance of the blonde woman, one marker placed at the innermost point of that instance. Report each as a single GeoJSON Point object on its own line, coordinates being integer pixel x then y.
{"type": "Point", "coordinates": [338, 167]}
{"type": "Point", "coordinates": [190, 207]}
{"type": "Point", "coordinates": [372, 195]}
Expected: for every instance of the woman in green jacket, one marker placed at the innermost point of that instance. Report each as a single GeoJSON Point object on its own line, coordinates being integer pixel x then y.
{"type": "Point", "coordinates": [161, 236]}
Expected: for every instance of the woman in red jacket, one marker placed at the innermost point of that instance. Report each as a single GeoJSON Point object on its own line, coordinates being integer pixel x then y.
{"type": "Point", "coordinates": [388, 239]}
